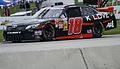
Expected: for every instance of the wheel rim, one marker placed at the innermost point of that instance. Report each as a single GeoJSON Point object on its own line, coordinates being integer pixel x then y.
{"type": "Point", "coordinates": [49, 32]}
{"type": "Point", "coordinates": [97, 29]}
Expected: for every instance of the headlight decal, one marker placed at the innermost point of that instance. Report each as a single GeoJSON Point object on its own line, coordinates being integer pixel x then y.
{"type": "Point", "coordinates": [32, 26]}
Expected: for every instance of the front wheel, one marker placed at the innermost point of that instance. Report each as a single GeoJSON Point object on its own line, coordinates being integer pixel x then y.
{"type": "Point", "coordinates": [97, 30]}
{"type": "Point", "coordinates": [17, 41]}
{"type": "Point", "coordinates": [48, 32]}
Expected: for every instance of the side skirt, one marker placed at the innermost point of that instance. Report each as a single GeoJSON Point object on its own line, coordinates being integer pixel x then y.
{"type": "Point", "coordinates": [90, 35]}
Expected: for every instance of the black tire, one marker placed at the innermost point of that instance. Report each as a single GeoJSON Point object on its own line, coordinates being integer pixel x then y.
{"type": "Point", "coordinates": [48, 32]}
{"type": "Point", "coordinates": [16, 41]}
{"type": "Point", "coordinates": [97, 30]}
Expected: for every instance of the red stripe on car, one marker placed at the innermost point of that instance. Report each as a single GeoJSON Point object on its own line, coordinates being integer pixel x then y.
{"type": "Point", "coordinates": [76, 36]}
{"type": "Point", "coordinates": [106, 21]}
{"type": "Point", "coordinates": [86, 24]}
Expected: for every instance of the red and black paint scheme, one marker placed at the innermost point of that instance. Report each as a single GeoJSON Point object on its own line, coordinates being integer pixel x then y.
{"type": "Point", "coordinates": [63, 22]}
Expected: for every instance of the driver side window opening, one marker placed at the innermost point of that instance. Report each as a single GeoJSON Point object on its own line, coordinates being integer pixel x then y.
{"type": "Point", "coordinates": [73, 12]}
{"type": "Point", "coordinates": [63, 15]}
{"type": "Point", "coordinates": [86, 11]}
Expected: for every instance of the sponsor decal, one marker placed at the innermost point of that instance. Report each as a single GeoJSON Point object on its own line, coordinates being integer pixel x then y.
{"type": "Point", "coordinates": [59, 23]}
{"type": "Point", "coordinates": [38, 32]}
{"type": "Point", "coordinates": [93, 17]}
{"type": "Point", "coordinates": [60, 26]}
{"type": "Point", "coordinates": [110, 25]}
{"type": "Point", "coordinates": [14, 32]}
{"type": "Point", "coordinates": [96, 17]}
{"type": "Point", "coordinates": [89, 31]}
{"type": "Point", "coordinates": [105, 15]}
{"type": "Point", "coordinates": [88, 18]}
{"type": "Point", "coordinates": [65, 27]}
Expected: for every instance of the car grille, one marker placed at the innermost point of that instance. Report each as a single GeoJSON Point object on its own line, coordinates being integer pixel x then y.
{"type": "Point", "coordinates": [14, 37]}
{"type": "Point", "coordinates": [18, 28]}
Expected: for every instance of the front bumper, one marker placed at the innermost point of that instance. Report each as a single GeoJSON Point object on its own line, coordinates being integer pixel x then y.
{"type": "Point", "coordinates": [22, 35]}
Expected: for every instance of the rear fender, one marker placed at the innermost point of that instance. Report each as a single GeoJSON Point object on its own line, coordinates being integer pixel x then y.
{"type": "Point", "coordinates": [111, 22]}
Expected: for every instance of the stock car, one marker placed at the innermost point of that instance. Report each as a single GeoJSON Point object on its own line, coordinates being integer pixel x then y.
{"type": "Point", "coordinates": [63, 22]}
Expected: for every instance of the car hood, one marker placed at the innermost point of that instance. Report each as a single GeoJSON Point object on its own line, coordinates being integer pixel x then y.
{"type": "Point", "coordinates": [29, 21]}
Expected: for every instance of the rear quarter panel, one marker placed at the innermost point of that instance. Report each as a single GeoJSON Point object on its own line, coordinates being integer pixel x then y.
{"type": "Point", "coordinates": [108, 20]}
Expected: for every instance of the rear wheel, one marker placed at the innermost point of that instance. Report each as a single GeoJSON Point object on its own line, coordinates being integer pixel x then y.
{"type": "Point", "coordinates": [48, 32]}
{"type": "Point", "coordinates": [97, 30]}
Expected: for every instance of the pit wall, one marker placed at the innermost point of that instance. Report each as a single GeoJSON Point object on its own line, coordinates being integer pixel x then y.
{"type": "Point", "coordinates": [85, 58]}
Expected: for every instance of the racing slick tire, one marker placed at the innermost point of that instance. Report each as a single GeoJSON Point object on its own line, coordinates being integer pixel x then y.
{"type": "Point", "coordinates": [16, 41]}
{"type": "Point", "coordinates": [97, 30]}
{"type": "Point", "coordinates": [48, 32]}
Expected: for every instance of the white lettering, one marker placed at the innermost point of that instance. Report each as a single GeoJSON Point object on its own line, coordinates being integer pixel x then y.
{"type": "Point", "coordinates": [99, 16]}
{"type": "Point", "coordinates": [105, 15]}
{"type": "Point", "coordinates": [88, 18]}
{"type": "Point", "coordinates": [95, 18]}
{"type": "Point", "coordinates": [110, 25]}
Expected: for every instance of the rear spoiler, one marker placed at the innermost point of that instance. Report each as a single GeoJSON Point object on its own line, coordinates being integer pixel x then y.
{"type": "Point", "coordinates": [106, 9]}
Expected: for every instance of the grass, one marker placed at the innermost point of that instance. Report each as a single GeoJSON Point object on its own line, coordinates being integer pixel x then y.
{"type": "Point", "coordinates": [14, 9]}
{"type": "Point", "coordinates": [1, 36]}
{"type": "Point", "coordinates": [1, 12]}
{"type": "Point", "coordinates": [114, 31]}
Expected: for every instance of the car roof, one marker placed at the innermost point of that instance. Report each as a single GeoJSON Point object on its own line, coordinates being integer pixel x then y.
{"type": "Point", "coordinates": [70, 6]}
{"type": "Point", "coordinates": [66, 6]}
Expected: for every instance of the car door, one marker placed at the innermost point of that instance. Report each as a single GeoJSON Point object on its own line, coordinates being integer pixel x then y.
{"type": "Point", "coordinates": [71, 22]}
{"type": "Point", "coordinates": [74, 20]}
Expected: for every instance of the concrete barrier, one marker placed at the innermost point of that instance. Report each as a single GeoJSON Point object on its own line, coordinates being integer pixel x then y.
{"type": "Point", "coordinates": [85, 58]}
{"type": "Point", "coordinates": [102, 57]}
{"type": "Point", "coordinates": [52, 59]}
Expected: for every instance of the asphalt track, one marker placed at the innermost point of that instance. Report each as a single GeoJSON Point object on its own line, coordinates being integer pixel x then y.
{"type": "Point", "coordinates": [106, 40]}
{"type": "Point", "coordinates": [97, 53]}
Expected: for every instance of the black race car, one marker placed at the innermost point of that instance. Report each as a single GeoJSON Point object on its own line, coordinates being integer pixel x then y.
{"type": "Point", "coordinates": [63, 22]}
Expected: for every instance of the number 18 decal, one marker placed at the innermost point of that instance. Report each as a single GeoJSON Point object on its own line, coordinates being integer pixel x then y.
{"type": "Point", "coordinates": [75, 25]}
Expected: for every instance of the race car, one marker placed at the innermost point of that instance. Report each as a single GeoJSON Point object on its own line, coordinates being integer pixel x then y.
{"type": "Point", "coordinates": [63, 22]}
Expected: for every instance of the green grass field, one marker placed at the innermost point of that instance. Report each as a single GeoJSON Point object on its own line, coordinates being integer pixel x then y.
{"type": "Point", "coordinates": [1, 36]}
{"type": "Point", "coordinates": [109, 32]}
{"type": "Point", "coordinates": [16, 8]}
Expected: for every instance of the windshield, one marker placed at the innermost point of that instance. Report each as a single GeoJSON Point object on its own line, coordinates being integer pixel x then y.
{"type": "Point", "coordinates": [38, 13]}
{"type": "Point", "coordinates": [52, 13]}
